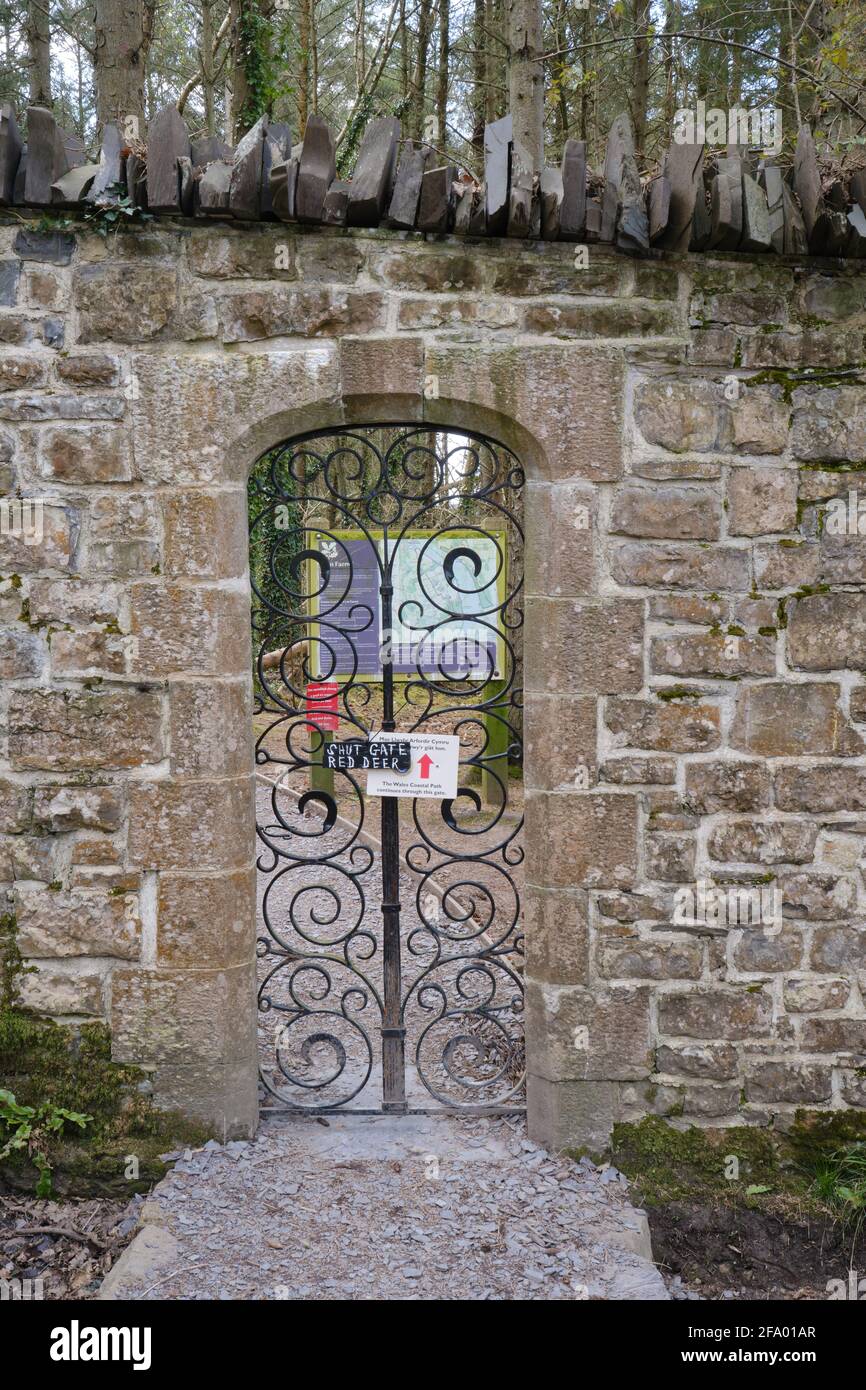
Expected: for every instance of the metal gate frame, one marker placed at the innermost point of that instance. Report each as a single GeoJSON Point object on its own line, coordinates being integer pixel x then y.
{"type": "Point", "coordinates": [385, 479]}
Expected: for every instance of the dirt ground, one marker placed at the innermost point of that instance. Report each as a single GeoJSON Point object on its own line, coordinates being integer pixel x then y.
{"type": "Point", "coordinates": [720, 1250]}
{"type": "Point", "coordinates": [69, 1245]}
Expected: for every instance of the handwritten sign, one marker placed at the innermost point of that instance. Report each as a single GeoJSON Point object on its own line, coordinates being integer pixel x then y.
{"type": "Point", "coordinates": [394, 755]}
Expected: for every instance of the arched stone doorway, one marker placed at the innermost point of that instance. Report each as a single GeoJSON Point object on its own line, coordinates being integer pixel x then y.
{"type": "Point", "coordinates": [387, 579]}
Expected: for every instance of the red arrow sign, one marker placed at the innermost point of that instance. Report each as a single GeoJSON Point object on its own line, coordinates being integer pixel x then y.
{"type": "Point", "coordinates": [425, 763]}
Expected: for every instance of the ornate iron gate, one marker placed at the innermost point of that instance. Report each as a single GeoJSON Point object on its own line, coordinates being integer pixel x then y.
{"type": "Point", "coordinates": [387, 580]}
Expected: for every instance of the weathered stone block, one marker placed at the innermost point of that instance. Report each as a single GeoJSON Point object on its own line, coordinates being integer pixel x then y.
{"type": "Point", "coordinates": [561, 533]}
{"type": "Point", "coordinates": [632, 959]}
{"type": "Point", "coordinates": [808, 995]}
{"type": "Point", "coordinates": [711, 1061]}
{"type": "Point", "coordinates": [557, 936]}
{"type": "Point", "coordinates": [616, 1043]}
{"type": "Point", "coordinates": [670, 858]}
{"type": "Point", "coordinates": [575, 647]}
{"type": "Point", "coordinates": [820, 787]}
{"type": "Point", "coordinates": [761, 500]}
{"type": "Point", "coordinates": [205, 534]}
{"type": "Point", "coordinates": [86, 454]}
{"type": "Point", "coordinates": [77, 922]}
{"type": "Point", "coordinates": [835, 1035]}
{"type": "Point", "coordinates": [210, 727]}
{"type": "Point", "coordinates": [730, 1014]}
{"type": "Point", "coordinates": [719, 655]}
{"type": "Point", "coordinates": [666, 513]}
{"type": "Point", "coordinates": [64, 730]}
{"type": "Point", "coordinates": [829, 424]}
{"type": "Point", "coordinates": [780, 720]}
{"type": "Point", "coordinates": [827, 632]}
{"type": "Point", "coordinates": [673, 566]}
{"type": "Point", "coordinates": [124, 303]}
{"type": "Point", "coordinates": [561, 396]}
{"type": "Point", "coordinates": [287, 311]}
{"type": "Point", "coordinates": [62, 808]}
{"type": "Point", "coordinates": [17, 373]}
{"type": "Point", "coordinates": [763, 842]}
{"type": "Point", "coordinates": [560, 736]}
{"type": "Point", "coordinates": [206, 919]}
{"type": "Point", "coordinates": [679, 415]}
{"type": "Point", "coordinates": [817, 896]}
{"type": "Point", "coordinates": [188, 630]}
{"type": "Point", "coordinates": [183, 825]}
{"type": "Point", "coordinates": [22, 654]}
{"type": "Point", "coordinates": [55, 992]}
{"type": "Point", "coordinates": [681, 726]}
{"type": "Point", "coordinates": [89, 369]}
{"type": "Point", "coordinates": [583, 840]}
{"type": "Point", "coordinates": [169, 1016]}
{"type": "Point", "coordinates": [759, 951]}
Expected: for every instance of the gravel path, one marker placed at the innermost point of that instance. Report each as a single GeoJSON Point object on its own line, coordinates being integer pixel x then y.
{"type": "Point", "coordinates": [384, 1208]}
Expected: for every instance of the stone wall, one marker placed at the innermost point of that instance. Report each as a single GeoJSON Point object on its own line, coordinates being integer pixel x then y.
{"type": "Point", "coordinates": [695, 640]}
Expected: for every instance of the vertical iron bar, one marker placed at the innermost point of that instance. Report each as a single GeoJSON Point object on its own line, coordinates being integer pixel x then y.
{"type": "Point", "coordinates": [393, 1031]}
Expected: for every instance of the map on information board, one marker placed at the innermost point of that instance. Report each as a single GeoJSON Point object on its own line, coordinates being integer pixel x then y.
{"type": "Point", "coordinates": [437, 600]}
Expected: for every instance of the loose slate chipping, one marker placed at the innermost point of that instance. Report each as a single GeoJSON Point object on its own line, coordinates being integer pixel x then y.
{"type": "Point", "coordinates": [593, 219]}
{"type": "Point", "coordinates": [209, 148]}
{"type": "Point", "coordinates": [283, 186]}
{"type": "Point", "coordinates": [572, 216]}
{"type": "Point", "coordinates": [136, 180]}
{"type": "Point", "coordinates": [702, 225]}
{"type": "Point", "coordinates": [316, 170]}
{"type": "Point", "coordinates": [188, 186]}
{"type": "Point", "coordinates": [167, 141]}
{"type": "Point", "coordinates": [245, 187]}
{"type": "Point", "coordinates": [74, 186]}
{"type": "Point", "coordinates": [213, 188]}
{"type": "Point", "coordinates": [10, 153]}
{"type": "Point", "coordinates": [498, 136]}
{"type": "Point", "coordinates": [856, 243]}
{"type": "Point", "coordinates": [684, 170]}
{"type": "Point", "coordinates": [373, 179]}
{"type": "Point", "coordinates": [521, 192]}
{"type": "Point", "coordinates": [658, 207]}
{"type": "Point", "coordinates": [550, 190]}
{"type": "Point", "coordinates": [826, 229]}
{"type": "Point", "coordinates": [756, 217]}
{"type": "Point", "coordinates": [276, 149]}
{"type": "Point", "coordinates": [403, 210]}
{"type": "Point", "coordinates": [47, 159]}
{"type": "Point", "coordinates": [336, 204]}
{"type": "Point", "coordinates": [623, 212]}
{"type": "Point", "coordinates": [111, 171]}
{"type": "Point", "coordinates": [436, 208]}
{"type": "Point", "coordinates": [726, 207]}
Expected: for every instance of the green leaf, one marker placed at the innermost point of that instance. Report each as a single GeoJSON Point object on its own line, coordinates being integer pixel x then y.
{"type": "Point", "coordinates": [754, 1189]}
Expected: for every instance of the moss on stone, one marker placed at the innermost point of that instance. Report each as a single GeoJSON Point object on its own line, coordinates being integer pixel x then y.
{"type": "Point", "coordinates": [677, 692]}
{"type": "Point", "coordinates": [668, 1164]}
{"type": "Point", "coordinates": [41, 1060]}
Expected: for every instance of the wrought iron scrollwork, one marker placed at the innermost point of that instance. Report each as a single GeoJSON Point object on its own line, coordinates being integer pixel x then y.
{"type": "Point", "coordinates": [388, 561]}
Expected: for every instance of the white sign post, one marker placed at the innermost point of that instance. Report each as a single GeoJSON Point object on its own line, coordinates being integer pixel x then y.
{"type": "Point", "coordinates": [435, 758]}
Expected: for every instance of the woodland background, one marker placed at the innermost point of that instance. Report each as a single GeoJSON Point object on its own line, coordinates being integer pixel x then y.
{"type": "Point", "coordinates": [444, 67]}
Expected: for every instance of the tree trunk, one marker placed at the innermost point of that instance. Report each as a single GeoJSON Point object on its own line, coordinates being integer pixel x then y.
{"type": "Point", "coordinates": [248, 58]}
{"type": "Point", "coordinates": [207, 65]}
{"type": "Point", "coordinates": [479, 80]}
{"type": "Point", "coordinates": [640, 74]}
{"type": "Point", "coordinates": [419, 79]}
{"type": "Point", "coordinates": [38, 30]}
{"type": "Point", "coordinates": [305, 28]}
{"type": "Point", "coordinates": [526, 76]}
{"type": "Point", "coordinates": [123, 31]}
{"type": "Point", "coordinates": [442, 75]}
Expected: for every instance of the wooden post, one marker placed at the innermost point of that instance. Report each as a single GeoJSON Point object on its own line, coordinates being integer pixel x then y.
{"type": "Point", "coordinates": [321, 777]}
{"type": "Point", "coordinates": [497, 747]}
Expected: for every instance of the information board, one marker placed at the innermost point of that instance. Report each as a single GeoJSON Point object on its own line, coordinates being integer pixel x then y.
{"type": "Point", "coordinates": [432, 618]}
